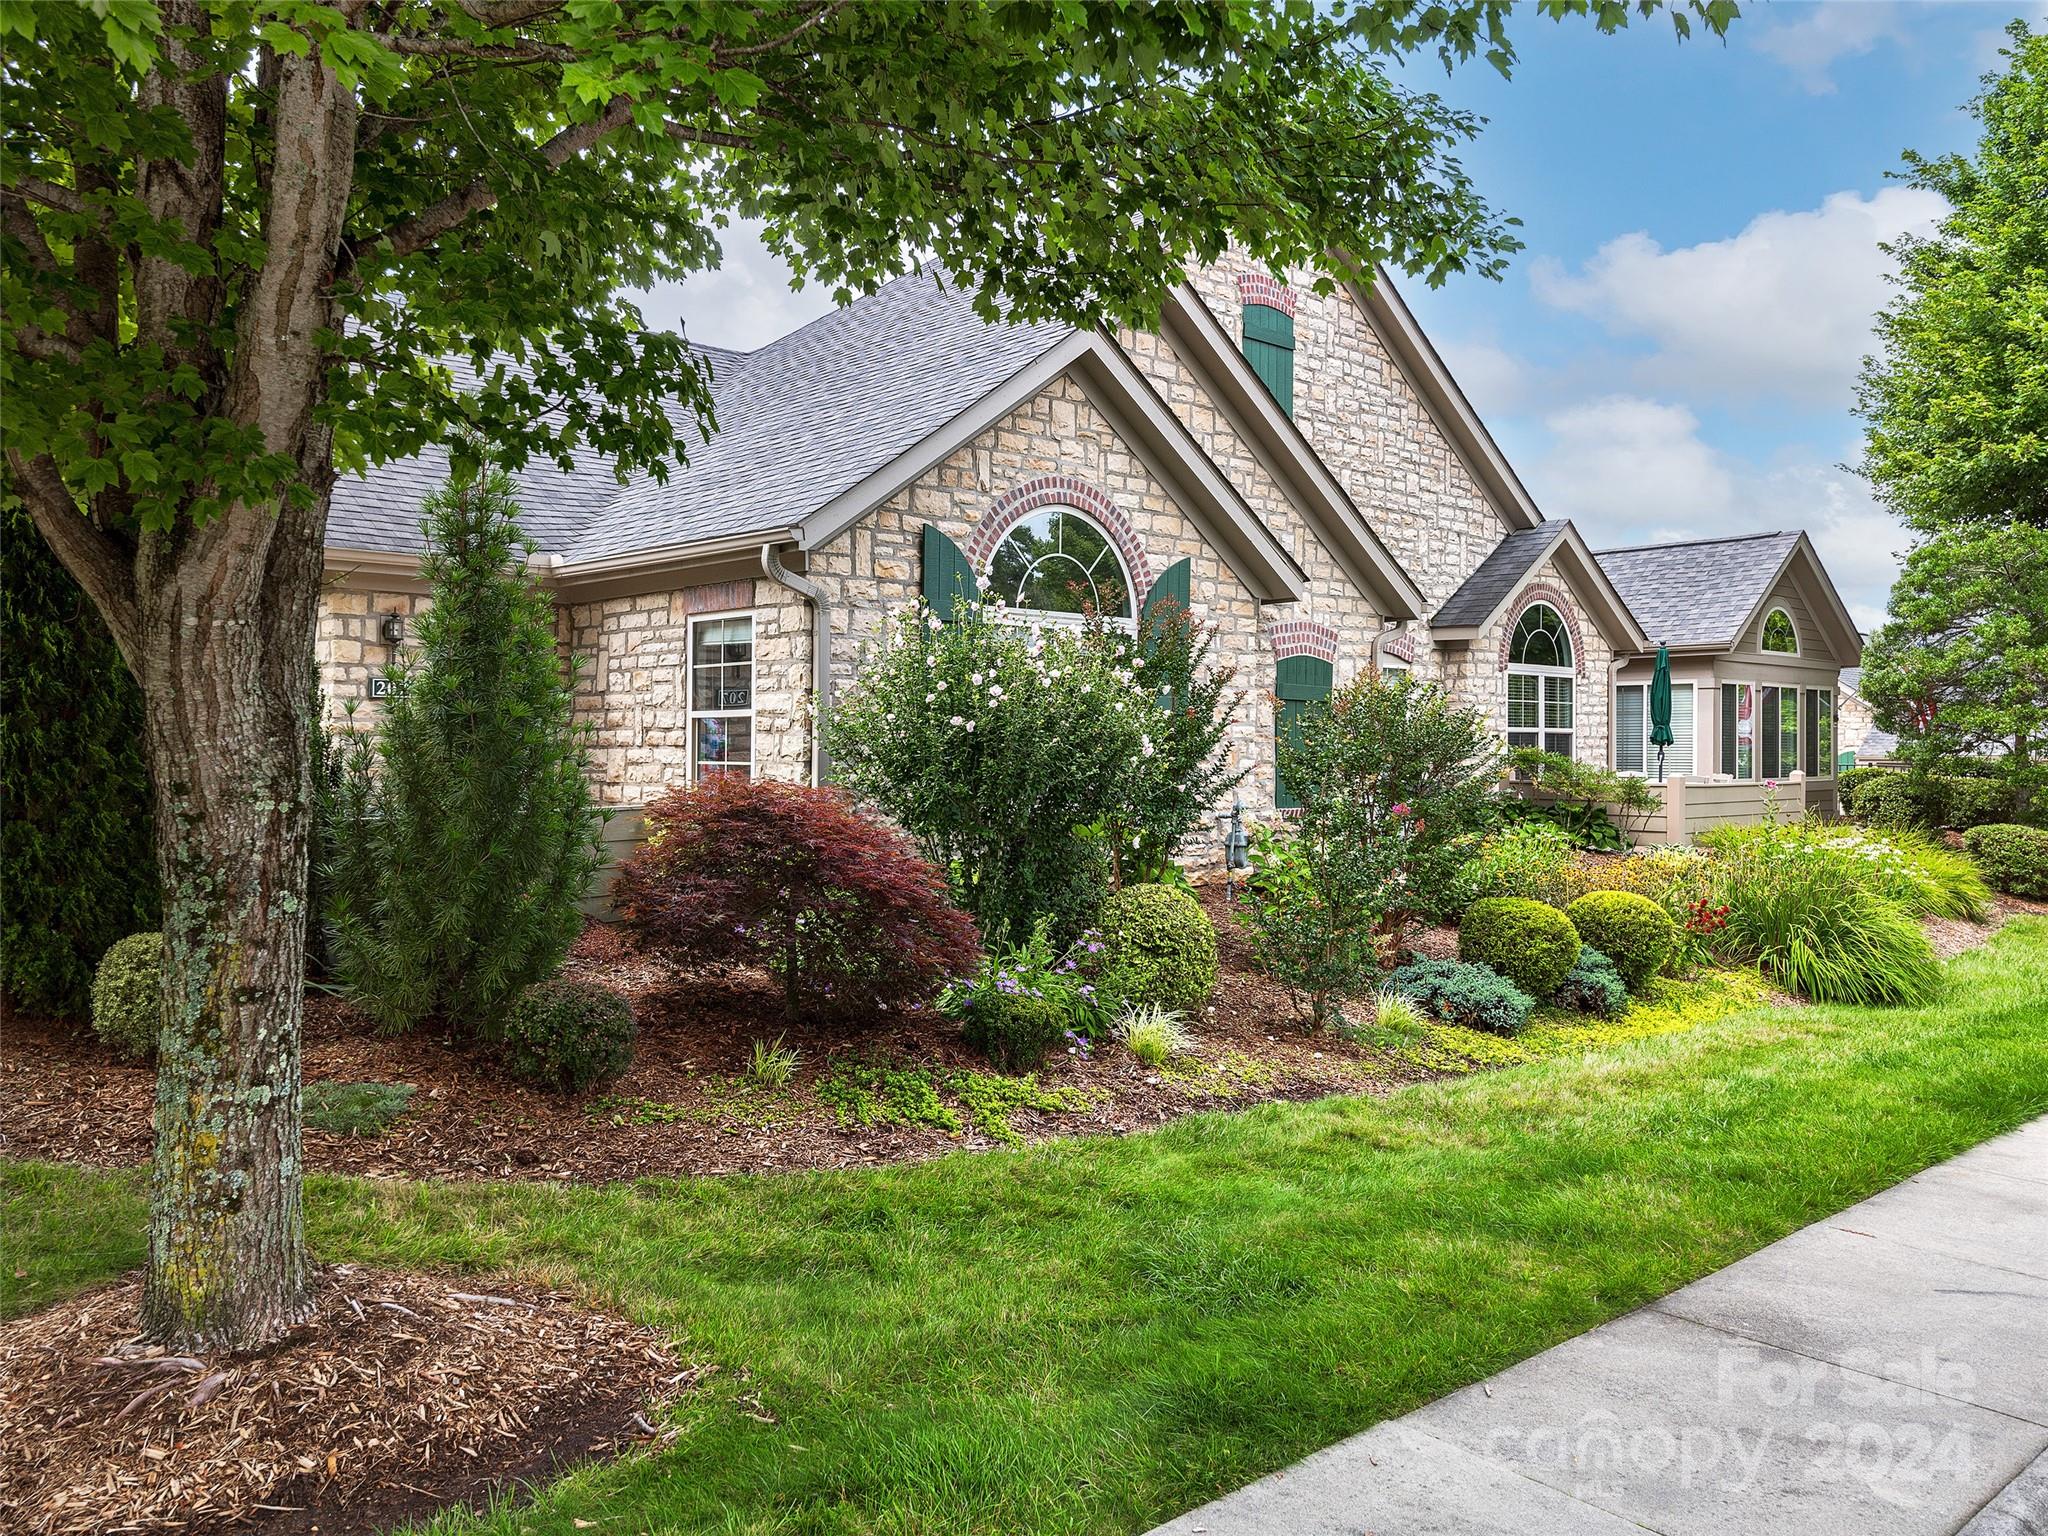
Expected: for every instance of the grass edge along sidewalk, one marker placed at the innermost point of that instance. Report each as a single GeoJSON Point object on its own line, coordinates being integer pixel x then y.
{"type": "Point", "coordinates": [1096, 1335]}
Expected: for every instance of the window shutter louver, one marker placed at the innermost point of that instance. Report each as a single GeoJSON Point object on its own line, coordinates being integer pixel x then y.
{"type": "Point", "coordinates": [948, 578]}
{"type": "Point", "coordinates": [1730, 702]}
{"type": "Point", "coordinates": [1773, 768]}
{"type": "Point", "coordinates": [1810, 726]}
{"type": "Point", "coordinates": [1269, 348]}
{"type": "Point", "coordinates": [1299, 681]}
{"type": "Point", "coordinates": [1173, 590]}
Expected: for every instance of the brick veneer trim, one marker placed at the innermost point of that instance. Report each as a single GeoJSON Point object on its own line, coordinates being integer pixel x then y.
{"type": "Point", "coordinates": [1263, 288]}
{"type": "Point", "coordinates": [1529, 597]}
{"type": "Point", "coordinates": [1304, 637]}
{"type": "Point", "coordinates": [718, 596]}
{"type": "Point", "coordinates": [1020, 501]}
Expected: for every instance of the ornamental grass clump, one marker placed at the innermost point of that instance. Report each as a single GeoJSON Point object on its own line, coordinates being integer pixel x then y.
{"type": "Point", "coordinates": [1920, 874]}
{"type": "Point", "coordinates": [1814, 918]}
{"type": "Point", "coordinates": [837, 907]}
{"type": "Point", "coordinates": [1152, 1034]}
{"type": "Point", "coordinates": [1531, 944]}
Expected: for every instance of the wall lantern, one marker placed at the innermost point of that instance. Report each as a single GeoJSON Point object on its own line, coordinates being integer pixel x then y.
{"type": "Point", "coordinates": [392, 628]}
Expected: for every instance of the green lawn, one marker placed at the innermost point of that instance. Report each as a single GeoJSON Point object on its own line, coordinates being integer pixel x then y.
{"type": "Point", "coordinates": [1094, 1335]}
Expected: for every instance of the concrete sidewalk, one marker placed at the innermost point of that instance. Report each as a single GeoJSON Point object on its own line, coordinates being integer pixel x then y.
{"type": "Point", "coordinates": [1885, 1370]}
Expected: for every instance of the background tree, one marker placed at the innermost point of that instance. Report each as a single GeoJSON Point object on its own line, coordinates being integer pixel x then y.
{"type": "Point", "coordinates": [1957, 398]}
{"type": "Point", "coordinates": [74, 798]}
{"type": "Point", "coordinates": [1957, 445]}
{"type": "Point", "coordinates": [1960, 668]}
{"type": "Point", "coordinates": [236, 236]}
{"type": "Point", "coordinates": [462, 835]}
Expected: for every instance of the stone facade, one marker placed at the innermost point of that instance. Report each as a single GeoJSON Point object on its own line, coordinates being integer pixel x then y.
{"type": "Point", "coordinates": [350, 647]}
{"type": "Point", "coordinates": [1477, 674]}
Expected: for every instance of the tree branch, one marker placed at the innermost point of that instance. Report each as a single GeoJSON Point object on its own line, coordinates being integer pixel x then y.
{"type": "Point", "coordinates": [51, 195]}
{"type": "Point", "coordinates": [92, 556]}
{"type": "Point", "coordinates": [507, 13]}
{"type": "Point", "coordinates": [818, 17]}
{"type": "Point", "coordinates": [465, 48]}
{"type": "Point", "coordinates": [427, 226]}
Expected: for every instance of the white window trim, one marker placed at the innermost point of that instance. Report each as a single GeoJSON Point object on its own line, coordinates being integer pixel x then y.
{"type": "Point", "coordinates": [1671, 770]}
{"type": "Point", "coordinates": [1766, 624]}
{"type": "Point", "coordinates": [691, 714]}
{"type": "Point", "coordinates": [1544, 731]}
{"type": "Point", "coordinates": [1052, 616]}
{"type": "Point", "coordinates": [1756, 729]}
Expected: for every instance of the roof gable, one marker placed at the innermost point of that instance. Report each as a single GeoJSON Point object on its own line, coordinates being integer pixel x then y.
{"type": "Point", "coordinates": [1485, 594]}
{"type": "Point", "coordinates": [1706, 593]}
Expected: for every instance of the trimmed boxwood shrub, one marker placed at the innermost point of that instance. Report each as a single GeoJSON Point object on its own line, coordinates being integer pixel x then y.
{"type": "Point", "coordinates": [1473, 996]}
{"type": "Point", "coordinates": [565, 1035]}
{"type": "Point", "coordinates": [2013, 858]}
{"type": "Point", "coordinates": [1631, 930]}
{"type": "Point", "coordinates": [128, 995]}
{"type": "Point", "coordinates": [1157, 947]}
{"type": "Point", "coordinates": [1593, 986]}
{"type": "Point", "coordinates": [1015, 1032]}
{"type": "Point", "coordinates": [1531, 944]}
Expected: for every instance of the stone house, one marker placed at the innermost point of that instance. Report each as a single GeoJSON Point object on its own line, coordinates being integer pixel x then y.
{"type": "Point", "coordinates": [1300, 468]}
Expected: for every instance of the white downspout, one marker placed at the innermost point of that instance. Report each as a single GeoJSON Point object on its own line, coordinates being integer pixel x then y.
{"type": "Point", "coordinates": [821, 649]}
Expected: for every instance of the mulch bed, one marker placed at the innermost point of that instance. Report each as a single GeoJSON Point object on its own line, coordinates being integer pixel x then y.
{"type": "Point", "coordinates": [401, 1395]}
{"type": "Point", "coordinates": [678, 1109]}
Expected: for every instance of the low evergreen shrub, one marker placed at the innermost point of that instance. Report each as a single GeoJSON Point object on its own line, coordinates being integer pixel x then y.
{"type": "Point", "coordinates": [1453, 992]}
{"type": "Point", "coordinates": [1593, 986]}
{"type": "Point", "coordinates": [564, 1035]}
{"type": "Point", "coordinates": [1016, 1030]}
{"type": "Point", "coordinates": [1534, 860]}
{"type": "Point", "coordinates": [128, 995]}
{"type": "Point", "coordinates": [354, 1109]}
{"type": "Point", "coordinates": [1158, 948]}
{"type": "Point", "coordinates": [1530, 943]}
{"type": "Point", "coordinates": [2012, 857]}
{"type": "Point", "coordinates": [1632, 931]}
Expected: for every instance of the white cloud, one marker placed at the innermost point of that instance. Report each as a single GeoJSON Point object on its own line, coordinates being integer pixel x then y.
{"type": "Point", "coordinates": [1630, 470]}
{"type": "Point", "coordinates": [745, 303]}
{"type": "Point", "coordinates": [1782, 309]}
{"type": "Point", "coordinates": [1493, 378]}
{"type": "Point", "coordinates": [1823, 34]}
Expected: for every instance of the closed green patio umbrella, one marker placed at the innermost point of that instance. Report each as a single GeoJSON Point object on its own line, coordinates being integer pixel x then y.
{"type": "Point", "coordinates": [1660, 706]}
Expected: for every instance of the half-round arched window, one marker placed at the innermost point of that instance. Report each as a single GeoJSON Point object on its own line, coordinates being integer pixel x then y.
{"type": "Point", "coordinates": [1779, 633]}
{"type": "Point", "coordinates": [1540, 681]}
{"type": "Point", "coordinates": [1540, 639]}
{"type": "Point", "coordinates": [1060, 561]}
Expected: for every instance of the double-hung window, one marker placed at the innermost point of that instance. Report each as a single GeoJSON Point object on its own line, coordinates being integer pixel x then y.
{"type": "Point", "coordinates": [1633, 750]}
{"type": "Point", "coordinates": [721, 696]}
{"type": "Point", "coordinates": [1540, 681]}
{"type": "Point", "coordinates": [1780, 732]}
{"type": "Point", "coordinates": [1820, 733]}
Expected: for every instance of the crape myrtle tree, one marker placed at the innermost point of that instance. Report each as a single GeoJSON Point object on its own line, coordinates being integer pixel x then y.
{"type": "Point", "coordinates": [237, 236]}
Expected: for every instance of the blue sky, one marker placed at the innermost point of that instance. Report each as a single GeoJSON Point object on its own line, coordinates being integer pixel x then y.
{"type": "Point", "coordinates": [1674, 354]}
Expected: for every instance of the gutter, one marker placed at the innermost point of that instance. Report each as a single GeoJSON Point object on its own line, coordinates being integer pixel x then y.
{"type": "Point", "coordinates": [821, 650]}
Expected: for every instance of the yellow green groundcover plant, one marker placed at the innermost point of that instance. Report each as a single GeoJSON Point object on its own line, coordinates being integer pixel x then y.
{"type": "Point", "coordinates": [1090, 1336]}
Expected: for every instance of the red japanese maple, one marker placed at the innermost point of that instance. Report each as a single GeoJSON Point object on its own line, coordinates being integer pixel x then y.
{"type": "Point", "coordinates": [836, 904]}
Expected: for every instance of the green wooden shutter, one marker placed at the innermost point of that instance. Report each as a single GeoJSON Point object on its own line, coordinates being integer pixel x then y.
{"type": "Point", "coordinates": [1269, 348]}
{"type": "Point", "coordinates": [1174, 586]}
{"type": "Point", "coordinates": [1731, 700]}
{"type": "Point", "coordinates": [948, 578]}
{"type": "Point", "coordinates": [1768, 727]}
{"type": "Point", "coordinates": [1299, 681]}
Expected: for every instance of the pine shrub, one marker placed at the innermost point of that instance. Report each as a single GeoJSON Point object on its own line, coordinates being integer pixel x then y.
{"type": "Point", "coordinates": [1533, 945]}
{"type": "Point", "coordinates": [1593, 986]}
{"type": "Point", "coordinates": [460, 836]}
{"type": "Point", "coordinates": [564, 1035]}
{"type": "Point", "coordinates": [1633, 931]}
{"type": "Point", "coordinates": [76, 861]}
{"type": "Point", "coordinates": [128, 996]}
{"type": "Point", "coordinates": [836, 905]}
{"type": "Point", "coordinates": [2013, 858]}
{"type": "Point", "coordinates": [1158, 948]}
{"type": "Point", "coordinates": [1471, 996]}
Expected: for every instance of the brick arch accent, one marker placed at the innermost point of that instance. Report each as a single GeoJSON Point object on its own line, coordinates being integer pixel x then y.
{"type": "Point", "coordinates": [1303, 637]}
{"type": "Point", "coordinates": [1543, 592]}
{"type": "Point", "coordinates": [1020, 501]}
{"type": "Point", "coordinates": [1264, 288]}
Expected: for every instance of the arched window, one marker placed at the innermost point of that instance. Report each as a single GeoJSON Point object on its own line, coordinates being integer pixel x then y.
{"type": "Point", "coordinates": [1779, 633]}
{"type": "Point", "coordinates": [1060, 561]}
{"type": "Point", "coordinates": [1540, 681]}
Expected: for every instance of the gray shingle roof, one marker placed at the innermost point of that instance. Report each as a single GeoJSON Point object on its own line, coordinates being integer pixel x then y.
{"type": "Point", "coordinates": [1698, 593]}
{"type": "Point", "coordinates": [818, 411]}
{"type": "Point", "coordinates": [800, 420]}
{"type": "Point", "coordinates": [1497, 576]}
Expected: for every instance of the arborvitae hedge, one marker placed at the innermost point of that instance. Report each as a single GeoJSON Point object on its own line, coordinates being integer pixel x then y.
{"type": "Point", "coordinates": [76, 867]}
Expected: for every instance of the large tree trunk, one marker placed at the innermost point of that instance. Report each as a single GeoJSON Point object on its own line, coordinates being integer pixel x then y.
{"type": "Point", "coordinates": [227, 663]}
